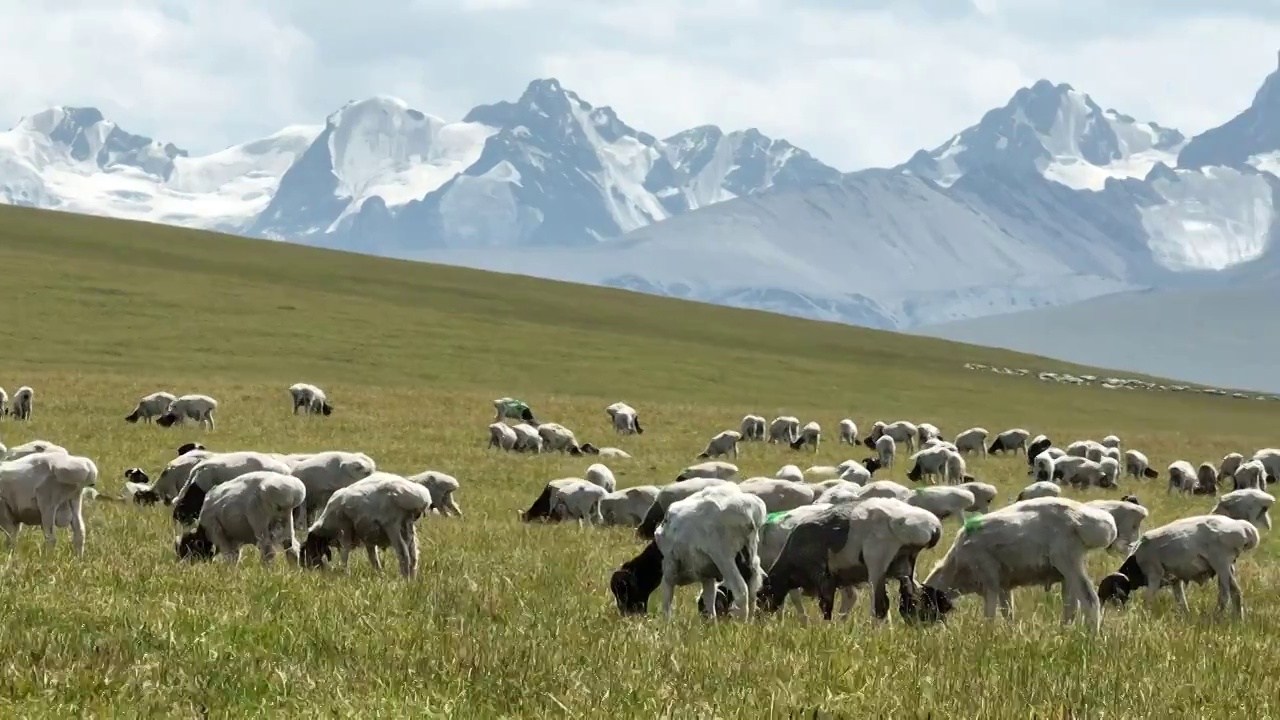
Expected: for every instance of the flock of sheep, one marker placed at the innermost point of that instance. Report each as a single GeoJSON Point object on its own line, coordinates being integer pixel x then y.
{"type": "Point", "coordinates": [750, 543]}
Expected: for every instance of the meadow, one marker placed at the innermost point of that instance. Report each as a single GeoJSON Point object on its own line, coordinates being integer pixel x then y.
{"type": "Point", "coordinates": [514, 620]}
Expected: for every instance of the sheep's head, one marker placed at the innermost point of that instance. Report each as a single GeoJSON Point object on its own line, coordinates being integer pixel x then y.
{"type": "Point", "coordinates": [167, 420]}
{"type": "Point", "coordinates": [194, 545]}
{"type": "Point", "coordinates": [316, 550]}
{"type": "Point", "coordinates": [188, 447]}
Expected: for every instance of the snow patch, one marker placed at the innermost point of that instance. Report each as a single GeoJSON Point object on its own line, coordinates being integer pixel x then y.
{"type": "Point", "coordinates": [1211, 219]}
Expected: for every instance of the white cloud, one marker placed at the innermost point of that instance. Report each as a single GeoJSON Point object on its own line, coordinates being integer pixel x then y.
{"type": "Point", "coordinates": [857, 82]}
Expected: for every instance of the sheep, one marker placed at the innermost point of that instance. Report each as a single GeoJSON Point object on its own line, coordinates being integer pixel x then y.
{"type": "Point", "coordinates": [556, 437]}
{"type": "Point", "coordinates": [625, 419]}
{"type": "Point", "coordinates": [1044, 467]}
{"type": "Point", "coordinates": [1031, 542]}
{"type": "Point", "coordinates": [601, 475]}
{"type": "Point", "coordinates": [784, 428]}
{"type": "Point", "coordinates": [1206, 480]}
{"type": "Point", "coordinates": [710, 537]}
{"type": "Point", "coordinates": [849, 544]}
{"type": "Point", "coordinates": [931, 462]}
{"type": "Point", "coordinates": [1252, 475]}
{"type": "Point", "coordinates": [1038, 444]}
{"type": "Point", "coordinates": [752, 428]}
{"type": "Point", "coordinates": [31, 448]}
{"type": "Point", "coordinates": [324, 474]}
{"type": "Point", "coordinates": [527, 438]}
{"type": "Point", "coordinates": [311, 399]}
{"type": "Point", "coordinates": [1248, 504]}
{"type": "Point", "coordinates": [983, 494]}
{"type": "Point", "coordinates": [1182, 476]}
{"type": "Point", "coordinates": [789, 472]}
{"type": "Point", "coordinates": [378, 511]}
{"type": "Point", "coordinates": [926, 432]}
{"type": "Point", "coordinates": [216, 470]}
{"type": "Point", "coordinates": [1270, 459]}
{"type": "Point", "coordinates": [506, 407]}
{"type": "Point", "coordinates": [1079, 471]}
{"type": "Point", "coordinates": [151, 406]}
{"type": "Point", "coordinates": [1039, 489]}
{"type": "Point", "coordinates": [1111, 441]}
{"type": "Point", "coordinates": [46, 489]}
{"type": "Point", "coordinates": [628, 506]}
{"type": "Point", "coordinates": [22, 400]}
{"type": "Point", "coordinates": [1136, 465]}
{"type": "Point", "coordinates": [1011, 440]}
{"type": "Point", "coordinates": [886, 449]}
{"type": "Point", "coordinates": [502, 436]}
{"type": "Point", "coordinates": [724, 443]}
{"type": "Point", "coordinates": [194, 407]}
{"type": "Point", "coordinates": [901, 431]}
{"type": "Point", "coordinates": [811, 435]}
{"type": "Point", "coordinates": [943, 502]}
{"type": "Point", "coordinates": [710, 469]}
{"type": "Point", "coordinates": [848, 432]}
{"type": "Point", "coordinates": [667, 495]}
{"type": "Point", "coordinates": [255, 507]}
{"type": "Point", "coordinates": [442, 488]}
{"type": "Point", "coordinates": [778, 495]}
{"type": "Point", "coordinates": [1189, 549]}
{"type": "Point", "coordinates": [613, 452]}
{"type": "Point", "coordinates": [973, 440]}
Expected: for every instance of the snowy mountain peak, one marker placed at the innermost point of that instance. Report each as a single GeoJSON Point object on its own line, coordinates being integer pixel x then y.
{"type": "Point", "coordinates": [1055, 131]}
{"type": "Point", "coordinates": [1251, 138]}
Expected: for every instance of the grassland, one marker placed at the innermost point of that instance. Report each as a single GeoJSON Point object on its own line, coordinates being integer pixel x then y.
{"type": "Point", "coordinates": [510, 620]}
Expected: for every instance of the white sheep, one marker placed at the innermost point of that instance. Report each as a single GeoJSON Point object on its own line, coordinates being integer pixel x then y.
{"type": "Point", "coordinates": [1182, 476]}
{"type": "Point", "coordinates": [886, 449]}
{"type": "Point", "coordinates": [937, 461]}
{"type": "Point", "coordinates": [1249, 504]}
{"type": "Point", "coordinates": [310, 399]}
{"type": "Point", "coordinates": [848, 432]}
{"type": "Point", "coordinates": [1190, 549]}
{"type": "Point", "coordinates": [943, 502]}
{"type": "Point", "coordinates": [973, 440]}
{"type": "Point", "coordinates": [709, 537]}
{"type": "Point", "coordinates": [23, 398]}
{"type": "Point", "coordinates": [506, 407]}
{"type": "Point", "coordinates": [848, 544]}
{"type": "Point", "coordinates": [600, 474]}
{"type": "Point", "coordinates": [502, 436]}
{"type": "Point", "coordinates": [214, 471]}
{"type": "Point", "coordinates": [324, 474]}
{"type": "Point", "coordinates": [556, 437]}
{"type": "Point", "coordinates": [784, 428]}
{"type": "Point", "coordinates": [752, 427]}
{"type": "Point", "coordinates": [1039, 489]}
{"type": "Point", "coordinates": [983, 494]}
{"type": "Point", "coordinates": [253, 508]}
{"type": "Point", "coordinates": [1136, 465]}
{"type": "Point", "coordinates": [1011, 440]}
{"type": "Point", "coordinates": [628, 506]}
{"type": "Point", "coordinates": [376, 512]}
{"type": "Point", "coordinates": [789, 472]}
{"type": "Point", "coordinates": [190, 407]}
{"type": "Point", "coordinates": [46, 489]}
{"type": "Point", "coordinates": [724, 443]}
{"type": "Point", "coordinates": [810, 435]}
{"type": "Point", "coordinates": [625, 419]}
{"type": "Point", "coordinates": [778, 495]}
{"type": "Point", "coordinates": [709, 469]}
{"type": "Point", "coordinates": [1230, 463]}
{"type": "Point", "coordinates": [1031, 542]}
{"type": "Point", "coordinates": [667, 495]}
{"type": "Point", "coordinates": [442, 487]}
{"type": "Point", "coordinates": [527, 438]}
{"type": "Point", "coordinates": [151, 406]}
{"type": "Point", "coordinates": [31, 448]}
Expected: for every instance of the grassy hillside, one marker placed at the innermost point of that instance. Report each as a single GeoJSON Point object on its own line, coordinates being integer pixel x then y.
{"type": "Point", "coordinates": [507, 619]}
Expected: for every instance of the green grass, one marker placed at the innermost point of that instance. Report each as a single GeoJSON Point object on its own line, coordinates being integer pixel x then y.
{"type": "Point", "coordinates": [510, 620]}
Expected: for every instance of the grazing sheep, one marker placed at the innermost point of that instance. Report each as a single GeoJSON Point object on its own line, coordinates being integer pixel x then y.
{"type": "Point", "coordinates": [324, 474]}
{"type": "Point", "coordinates": [1031, 542]}
{"type": "Point", "coordinates": [932, 462]}
{"type": "Point", "coordinates": [1136, 465]}
{"type": "Point", "coordinates": [810, 435]}
{"type": "Point", "coordinates": [1190, 549]}
{"type": "Point", "coordinates": [668, 494]}
{"type": "Point", "coordinates": [784, 428]}
{"type": "Point", "coordinates": [625, 419]}
{"type": "Point", "coordinates": [190, 407]}
{"type": "Point", "coordinates": [150, 407]}
{"type": "Point", "coordinates": [1011, 440]}
{"type": "Point", "coordinates": [527, 438]}
{"type": "Point", "coordinates": [22, 401]}
{"type": "Point", "coordinates": [901, 431]}
{"type": "Point", "coordinates": [778, 495]}
{"type": "Point", "coordinates": [502, 436]}
{"type": "Point", "coordinates": [506, 407]}
{"type": "Point", "coordinates": [1182, 476]}
{"type": "Point", "coordinates": [556, 437]}
{"type": "Point", "coordinates": [1038, 444]}
{"type": "Point", "coordinates": [46, 489]}
{"type": "Point", "coordinates": [628, 506]}
{"type": "Point", "coordinates": [213, 471]}
{"type": "Point", "coordinates": [848, 432]}
{"type": "Point", "coordinates": [600, 474]}
{"type": "Point", "coordinates": [710, 469]}
{"type": "Point", "coordinates": [1249, 504]}
{"type": "Point", "coordinates": [943, 502]}
{"type": "Point", "coordinates": [1039, 489]}
{"type": "Point", "coordinates": [973, 440]}
{"type": "Point", "coordinates": [789, 472]}
{"type": "Point", "coordinates": [1230, 463]}
{"type": "Point", "coordinates": [926, 432]}
{"type": "Point", "coordinates": [752, 428]}
{"type": "Point", "coordinates": [31, 448]}
{"type": "Point", "coordinates": [1111, 441]}
{"type": "Point", "coordinates": [886, 449]}
{"type": "Point", "coordinates": [724, 443]}
{"type": "Point", "coordinates": [253, 508]}
{"type": "Point", "coordinates": [311, 399]}
{"type": "Point", "coordinates": [983, 494]}
{"type": "Point", "coordinates": [376, 512]}
{"type": "Point", "coordinates": [442, 488]}
{"type": "Point", "coordinates": [846, 545]}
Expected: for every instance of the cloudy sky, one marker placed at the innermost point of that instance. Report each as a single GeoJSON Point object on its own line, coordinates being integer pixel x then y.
{"type": "Point", "coordinates": [857, 82]}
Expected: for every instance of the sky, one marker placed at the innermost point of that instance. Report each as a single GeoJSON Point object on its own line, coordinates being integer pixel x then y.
{"type": "Point", "coordinates": [859, 83]}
